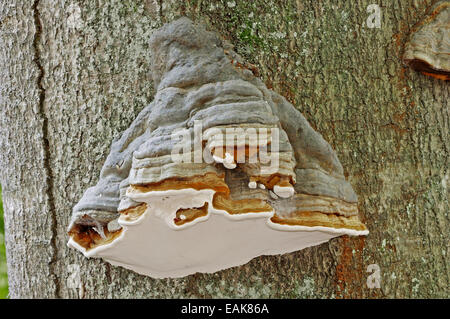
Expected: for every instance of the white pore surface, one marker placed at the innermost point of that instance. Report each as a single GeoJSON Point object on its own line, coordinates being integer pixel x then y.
{"type": "Point", "coordinates": [284, 191]}
{"type": "Point", "coordinates": [155, 246]}
{"type": "Point", "coordinates": [252, 184]}
{"type": "Point", "coordinates": [228, 161]}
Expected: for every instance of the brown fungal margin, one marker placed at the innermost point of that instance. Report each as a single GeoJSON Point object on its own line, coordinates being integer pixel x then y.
{"type": "Point", "coordinates": [334, 213]}
{"type": "Point", "coordinates": [87, 237]}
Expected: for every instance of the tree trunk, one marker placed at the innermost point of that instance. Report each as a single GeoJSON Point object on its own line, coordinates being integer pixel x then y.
{"type": "Point", "coordinates": [74, 74]}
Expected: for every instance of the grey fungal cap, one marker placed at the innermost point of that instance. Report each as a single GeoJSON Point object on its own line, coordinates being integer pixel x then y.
{"type": "Point", "coordinates": [197, 78]}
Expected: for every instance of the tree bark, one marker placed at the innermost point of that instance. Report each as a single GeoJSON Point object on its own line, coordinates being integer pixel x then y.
{"type": "Point", "coordinates": [74, 74]}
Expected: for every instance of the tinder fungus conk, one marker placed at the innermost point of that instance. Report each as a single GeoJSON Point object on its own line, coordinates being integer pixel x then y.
{"type": "Point", "coordinates": [428, 48]}
{"type": "Point", "coordinates": [217, 170]}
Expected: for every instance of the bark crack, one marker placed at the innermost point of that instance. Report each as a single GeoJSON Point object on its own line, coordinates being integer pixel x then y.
{"type": "Point", "coordinates": [46, 147]}
{"type": "Point", "coordinates": [161, 15]}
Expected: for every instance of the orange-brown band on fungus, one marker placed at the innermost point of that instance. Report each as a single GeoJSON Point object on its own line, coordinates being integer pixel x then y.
{"type": "Point", "coordinates": [242, 206]}
{"type": "Point", "coordinates": [275, 179]}
{"type": "Point", "coordinates": [223, 201]}
{"type": "Point", "coordinates": [221, 198]}
{"type": "Point", "coordinates": [187, 215]}
{"type": "Point", "coordinates": [133, 213]}
{"type": "Point", "coordinates": [207, 181]}
{"type": "Point", "coordinates": [426, 69]}
{"type": "Point", "coordinates": [268, 181]}
{"type": "Point", "coordinates": [87, 237]}
{"type": "Point", "coordinates": [326, 204]}
{"type": "Point", "coordinates": [311, 219]}
{"type": "Point", "coordinates": [439, 76]}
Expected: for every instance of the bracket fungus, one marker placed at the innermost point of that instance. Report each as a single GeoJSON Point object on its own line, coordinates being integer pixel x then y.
{"type": "Point", "coordinates": [428, 47]}
{"type": "Point", "coordinates": [215, 171]}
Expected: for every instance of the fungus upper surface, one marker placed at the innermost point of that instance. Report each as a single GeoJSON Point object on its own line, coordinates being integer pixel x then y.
{"type": "Point", "coordinates": [428, 48]}
{"type": "Point", "coordinates": [169, 218]}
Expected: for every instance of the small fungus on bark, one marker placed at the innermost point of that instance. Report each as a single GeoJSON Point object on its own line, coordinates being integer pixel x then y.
{"type": "Point", "coordinates": [428, 47]}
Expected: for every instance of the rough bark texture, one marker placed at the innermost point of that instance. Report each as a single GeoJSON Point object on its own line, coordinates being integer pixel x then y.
{"type": "Point", "coordinates": [70, 83]}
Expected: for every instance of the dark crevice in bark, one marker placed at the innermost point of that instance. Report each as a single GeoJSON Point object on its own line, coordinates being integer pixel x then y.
{"type": "Point", "coordinates": [46, 147]}
{"type": "Point", "coordinates": [161, 15]}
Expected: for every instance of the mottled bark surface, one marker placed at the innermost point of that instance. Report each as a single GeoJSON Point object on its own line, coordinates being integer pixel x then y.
{"type": "Point", "coordinates": [72, 79]}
